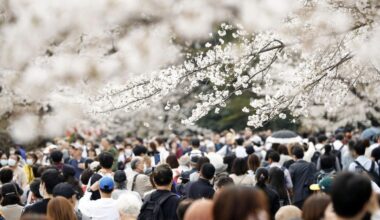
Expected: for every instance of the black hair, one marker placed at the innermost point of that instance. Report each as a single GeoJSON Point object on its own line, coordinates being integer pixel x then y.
{"type": "Point", "coordinates": [139, 150]}
{"type": "Point", "coordinates": [86, 175]}
{"type": "Point", "coordinates": [239, 166]}
{"type": "Point", "coordinates": [50, 178]}
{"type": "Point", "coordinates": [6, 175]}
{"type": "Point", "coordinates": [297, 151]}
{"type": "Point", "coordinates": [208, 171]}
{"type": "Point", "coordinates": [276, 180]}
{"type": "Point", "coordinates": [322, 138]}
{"type": "Point", "coordinates": [360, 147]}
{"type": "Point", "coordinates": [274, 156]}
{"type": "Point", "coordinates": [347, 198]}
{"type": "Point", "coordinates": [224, 181]}
{"type": "Point", "coordinates": [95, 195]}
{"type": "Point", "coordinates": [201, 161]}
{"type": "Point", "coordinates": [262, 176]}
{"type": "Point", "coordinates": [328, 148]}
{"type": "Point", "coordinates": [35, 187]}
{"type": "Point", "coordinates": [56, 156]}
{"type": "Point", "coordinates": [327, 162]}
{"type": "Point", "coordinates": [240, 141]}
{"type": "Point", "coordinates": [106, 160]}
{"type": "Point", "coordinates": [339, 136]}
{"type": "Point", "coordinates": [162, 175]}
{"type": "Point", "coordinates": [195, 142]}
{"type": "Point", "coordinates": [229, 160]}
{"type": "Point", "coordinates": [10, 194]}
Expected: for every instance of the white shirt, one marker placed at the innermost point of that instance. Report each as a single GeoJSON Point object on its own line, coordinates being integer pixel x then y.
{"type": "Point", "coordinates": [365, 162]}
{"type": "Point", "coordinates": [104, 208]}
{"type": "Point", "coordinates": [240, 152]}
{"type": "Point", "coordinates": [338, 146]}
{"type": "Point", "coordinates": [369, 150]}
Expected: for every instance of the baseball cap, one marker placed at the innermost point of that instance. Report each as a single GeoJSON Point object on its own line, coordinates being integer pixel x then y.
{"type": "Point", "coordinates": [64, 189]}
{"type": "Point", "coordinates": [106, 183]}
{"type": "Point", "coordinates": [77, 146]}
{"type": "Point", "coordinates": [120, 176]}
{"type": "Point", "coordinates": [323, 185]}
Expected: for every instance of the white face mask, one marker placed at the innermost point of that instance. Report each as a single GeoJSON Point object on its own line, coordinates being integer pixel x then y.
{"type": "Point", "coordinates": [128, 152]}
{"type": "Point", "coordinates": [29, 161]}
{"type": "Point", "coordinates": [41, 191]}
{"type": "Point", "coordinates": [4, 162]}
{"type": "Point", "coordinates": [12, 162]}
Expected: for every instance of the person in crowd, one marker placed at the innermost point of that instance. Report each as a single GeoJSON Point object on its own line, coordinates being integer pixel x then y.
{"type": "Point", "coordinates": [240, 150]}
{"type": "Point", "coordinates": [194, 165]}
{"type": "Point", "coordinates": [77, 160]}
{"type": "Point", "coordinates": [137, 180]}
{"type": "Point", "coordinates": [333, 155]}
{"type": "Point", "coordinates": [162, 199]}
{"type": "Point", "coordinates": [128, 206]}
{"type": "Point", "coordinates": [375, 155]}
{"type": "Point", "coordinates": [252, 204]}
{"type": "Point", "coordinates": [34, 192]}
{"type": "Point", "coordinates": [103, 208]}
{"type": "Point", "coordinates": [362, 163]}
{"type": "Point", "coordinates": [195, 176]}
{"type": "Point", "coordinates": [106, 161]}
{"type": "Point", "coordinates": [185, 145]}
{"type": "Point", "coordinates": [163, 152]}
{"type": "Point", "coordinates": [31, 160]}
{"type": "Point", "coordinates": [184, 164]}
{"type": "Point", "coordinates": [223, 182]}
{"type": "Point", "coordinates": [262, 176]}
{"type": "Point", "coordinates": [202, 187]}
{"type": "Point", "coordinates": [19, 176]}
{"type": "Point", "coordinates": [276, 182]}
{"type": "Point", "coordinates": [285, 159]}
{"type": "Point", "coordinates": [49, 179]}
{"type": "Point", "coordinates": [182, 208]}
{"type": "Point", "coordinates": [56, 159]}
{"type": "Point", "coordinates": [239, 173]}
{"type": "Point", "coordinates": [274, 161]}
{"type": "Point", "coordinates": [172, 161]}
{"type": "Point", "coordinates": [120, 179]}
{"type": "Point", "coordinates": [195, 151]}
{"type": "Point", "coordinates": [200, 210]}
{"type": "Point", "coordinates": [348, 156]}
{"type": "Point", "coordinates": [302, 174]}
{"type": "Point", "coordinates": [253, 164]}
{"type": "Point", "coordinates": [350, 201]}
{"type": "Point", "coordinates": [109, 148]}
{"type": "Point", "coordinates": [315, 206]}
{"type": "Point", "coordinates": [226, 150]}
{"type": "Point", "coordinates": [288, 212]}
{"type": "Point", "coordinates": [68, 173]}
{"type": "Point", "coordinates": [3, 160]}
{"type": "Point", "coordinates": [10, 206]}
{"type": "Point", "coordinates": [66, 190]}
{"type": "Point", "coordinates": [59, 208]}
{"type": "Point", "coordinates": [327, 165]}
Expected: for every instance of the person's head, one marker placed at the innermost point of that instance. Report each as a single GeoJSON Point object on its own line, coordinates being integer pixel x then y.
{"type": "Point", "coordinates": [67, 191]}
{"type": "Point", "coordinates": [224, 181]}
{"type": "Point", "coordinates": [195, 143]}
{"type": "Point", "coordinates": [106, 160]}
{"type": "Point", "coordinates": [56, 156]}
{"type": "Point", "coordinates": [200, 210]}
{"type": "Point", "coordinates": [6, 175]}
{"type": "Point", "coordinates": [59, 208]}
{"type": "Point", "coordinates": [140, 150]}
{"type": "Point", "coordinates": [261, 176]}
{"type": "Point", "coordinates": [283, 150]}
{"type": "Point", "coordinates": [92, 153]}
{"type": "Point", "coordinates": [322, 139]}
{"type": "Point", "coordinates": [172, 161]}
{"type": "Point", "coordinates": [95, 195]}
{"type": "Point", "coordinates": [315, 206]}
{"type": "Point", "coordinates": [49, 179]}
{"type": "Point", "coordinates": [31, 159]}
{"type": "Point", "coordinates": [13, 160]}
{"type": "Point", "coordinates": [129, 206]}
{"type": "Point", "coordinates": [327, 162]}
{"type": "Point", "coordinates": [35, 188]}
{"type": "Point", "coordinates": [239, 166]}
{"type": "Point", "coordinates": [253, 162]}
{"type": "Point", "coordinates": [106, 186]}
{"type": "Point", "coordinates": [86, 175]}
{"type": "Point", "coordinates": [229, 159]}
{"type": "Point", "coordinates": [105, 143]}
{"type": "Point", "coordinates": [77, 150]}
{"type": "Point", "coordinates": [4, 160]}
{"type": "Point", "coordinates": [207, 171]}
{"type": "Point", "coordinates": [183, 206]}
{"type": "Point", "coordinates": [375, 154]}
{"type": "Point", "coordinates": [288, 212]}
{"type": "Point", "coordinates": [120, 179]}
{"type": "Point", "coordinates": [359, 148]}
{"type": "Point", "coordinates": [252, 204]}
{"type": "Point", "coordinates": [201, 161]}
{"type": "Point", "coordinates": [240, 141]}
{"type": "Point", "coordinates": [350, 194]}
{"type": "Point", "coordinates": [10, 194]}
{"type": "Point", "coordinates": [339, 136]}
{"type": "Point", "coordinates": [137, 164]}
{"type": "Point", "coordinates": [68, 171]}
{"type": "Point", "coordinates": [163, 176]}
{"type": "Point", "coordinates": [297, 152]}
{"type": "Point", "coordinates": [273, 157]}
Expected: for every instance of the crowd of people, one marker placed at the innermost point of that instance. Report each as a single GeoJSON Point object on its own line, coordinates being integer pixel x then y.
{"type": "Point", "coordinates": [231, 175]}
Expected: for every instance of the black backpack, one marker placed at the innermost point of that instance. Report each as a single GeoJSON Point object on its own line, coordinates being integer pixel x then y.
{"type": "Point", "coordinates": [371, 172]}
{"type": "Point", "coordinates": [315, 157]}
{"type": "Point", "coordinates": [152, 210]}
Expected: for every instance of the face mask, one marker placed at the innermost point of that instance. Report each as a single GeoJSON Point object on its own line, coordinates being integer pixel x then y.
{"type": "Point", "coordinates": [128, 152]}
{"type": "Point", "coordinates": [4, 162]}
{"type": "Point", "coordinates": [41, 191]}
{"type": "Point", "coordinates": [29, 161]}
{"type": "Point", "coordinates": [11, 162]}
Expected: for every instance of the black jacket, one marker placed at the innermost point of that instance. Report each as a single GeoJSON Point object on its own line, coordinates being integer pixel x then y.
{"type": "Point", "coordinates": [199, 189]}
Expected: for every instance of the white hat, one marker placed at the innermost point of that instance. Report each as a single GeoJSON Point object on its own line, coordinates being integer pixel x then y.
{"type": "Point", "coordinates": [76, 146]}
{"type": "Point", "coordinates": [217, 161]}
